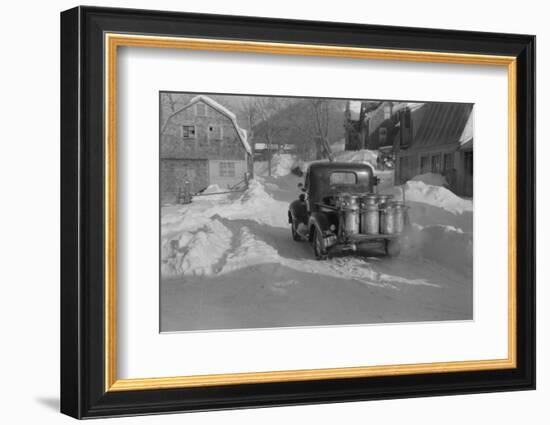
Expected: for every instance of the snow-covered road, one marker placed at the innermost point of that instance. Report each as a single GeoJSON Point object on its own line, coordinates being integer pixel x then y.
{"type": "Point", "coordinates": [229, 262]}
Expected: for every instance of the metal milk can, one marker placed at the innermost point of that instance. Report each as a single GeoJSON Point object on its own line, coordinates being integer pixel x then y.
{"type": "Point", "coordinates": [370, 217]}
{"type": "Point", "coordinates": [387, 224]}
{"type": "Point", "coordinates": [383, 201]}
{"type": "Point", "coordinates": [350, 203]}
{"type": "Point", "coordinates": [399, 216]}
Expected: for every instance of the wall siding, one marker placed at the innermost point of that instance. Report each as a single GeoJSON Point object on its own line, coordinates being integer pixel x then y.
{"type": "Point", "coordinates": [222, 181]}
{"type": "Point", "coordinates": [173, 145]}
{"type": "Point", "coordinates": [174, 173]}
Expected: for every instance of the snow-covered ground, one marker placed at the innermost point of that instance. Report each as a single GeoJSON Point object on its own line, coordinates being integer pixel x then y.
{"type": "Point", "coordinates": [234, 255]}
{"type": "Point", "coordinates": [281, 165]}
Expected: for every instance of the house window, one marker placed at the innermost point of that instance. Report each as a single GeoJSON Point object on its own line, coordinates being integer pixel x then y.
{"type": "Point", "coordinates": [200, 109]}
{"type": "Point", "coordinates": [227, 169]}
{"type": "Point", "coordinates": [387, 112]}
{"type": "Point", "coordinates": [436, 164]}
{"type": "Point", "coordinates": [188, 131]}
{"type": "Point", "coordinates": [424, 164]}
{"type": "Point", "coordinates": [447, 162]}
{"type": "Point", "coordinates": [215, 132]}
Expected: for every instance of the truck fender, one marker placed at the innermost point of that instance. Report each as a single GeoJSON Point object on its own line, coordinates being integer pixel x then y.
{"type": "Point", "coordinates": [297, 211]}
{"type": "Point", "coordinates": [318, 220]}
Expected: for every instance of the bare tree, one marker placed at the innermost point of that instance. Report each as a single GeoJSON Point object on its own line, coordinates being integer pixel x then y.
{"type": "Point", "coordinates": [267, 109]}
{"type": "Point", "coordinates": [249, 111]}
{"type": "Point", "coordinates": [171, 103]}
{"type": "Point", "coordinates": [321, 116]}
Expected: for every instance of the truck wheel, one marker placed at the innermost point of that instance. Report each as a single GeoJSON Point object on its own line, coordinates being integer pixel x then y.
{"type": "Point", "coordinates": [294, 229]}
{"type": "Point", "coordinates": [393, 247]}
{"type": "Point", "coordinates": [318, 245]}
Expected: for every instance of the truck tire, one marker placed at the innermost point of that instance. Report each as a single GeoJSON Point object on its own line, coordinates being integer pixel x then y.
{"type": "Point", "coordinates": [318, 245]}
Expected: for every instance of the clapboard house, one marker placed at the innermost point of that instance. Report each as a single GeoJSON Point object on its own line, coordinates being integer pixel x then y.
{"type": "Point", "coordinates": [202, 144]}
{"type": "Point", "coordinates": [421, 137]}
{"type": "Point", "coordinates": [439, 140]}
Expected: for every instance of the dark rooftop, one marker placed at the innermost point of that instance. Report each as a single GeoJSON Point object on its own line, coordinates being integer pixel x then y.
{"type": "Point", "coordinates": [440, 123]}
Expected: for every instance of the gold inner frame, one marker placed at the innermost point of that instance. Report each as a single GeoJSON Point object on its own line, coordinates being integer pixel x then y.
{"type": "Point", "coordinates": [113, 41]}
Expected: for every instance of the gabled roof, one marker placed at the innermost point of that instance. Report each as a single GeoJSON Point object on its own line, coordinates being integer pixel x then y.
{"type": "Point", "coordinates": [243, 136]}
{"type": "Point", "coordinates": [442, 123]}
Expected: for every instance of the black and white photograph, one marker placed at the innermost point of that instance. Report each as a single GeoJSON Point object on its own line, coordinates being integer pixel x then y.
{"type": "Point", "coordinates": [300, 211]}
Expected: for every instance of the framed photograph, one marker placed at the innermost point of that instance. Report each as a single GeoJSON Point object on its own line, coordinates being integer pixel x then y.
{"type": "Point", "coordinates": [261, 212]}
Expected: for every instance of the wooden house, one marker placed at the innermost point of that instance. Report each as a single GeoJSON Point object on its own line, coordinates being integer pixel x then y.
{"type": "Point", "coordinates": [421, 137]}
{"type": "Point", "coordinates": [439, 139]}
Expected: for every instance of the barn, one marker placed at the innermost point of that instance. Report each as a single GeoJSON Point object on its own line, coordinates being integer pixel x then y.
{"type": "Point", "coordinates": [202, 144]}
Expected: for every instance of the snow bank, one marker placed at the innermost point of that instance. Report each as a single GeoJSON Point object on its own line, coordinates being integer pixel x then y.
{"type": "Point", "coordinates": [197, 253]}
{"type": "Point", "coordinates": [194, 240]}
{"type": "Point", "coordinates": [252, 204]}
{"type": "Point", "coordinates": [213, 188]}
{"type": "Point", "coordinates": [257, 205]}
{"type": "Point", "coordinates": [437, 196]}
{"type": "Point", "coordinates": [364, 155]}
{"type": "Point", "coordinates": [431, 178]}
{"type": "Point", "coordinates": [442, 224]}
{"type": "Point", "coordinates": [250, 252]}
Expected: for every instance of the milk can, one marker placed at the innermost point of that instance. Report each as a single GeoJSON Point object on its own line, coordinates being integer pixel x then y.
{"type": "Point", "coordinates": [383, 202]}
{"type": "Point", "coordinates": [369, 214]}
{"type": "Point", "coordinates": [387, 220]}
{"type": "Point", "coordinates": [350, 204]}
{"type": "Point", "coordinates": [399, 216]}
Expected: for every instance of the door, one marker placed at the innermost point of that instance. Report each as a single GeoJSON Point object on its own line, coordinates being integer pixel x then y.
{"type": "Point", "coordinates": [175, 172]}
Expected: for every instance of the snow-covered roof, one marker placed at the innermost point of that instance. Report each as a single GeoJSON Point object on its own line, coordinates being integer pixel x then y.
{"type": "Point", "coordinates": [242, 133]}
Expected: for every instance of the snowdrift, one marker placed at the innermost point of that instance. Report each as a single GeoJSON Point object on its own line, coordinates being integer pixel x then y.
{"type": "Point", "coordinates": [431, 178]}
{"type": "Point", "coordinates": [442, 224]}
{"type": "Point", "coordinates": [364, 155]}
{"type": "Point", "coordinates": [194, 239]}
{"type": "Point", "coordinates": [436, 196]}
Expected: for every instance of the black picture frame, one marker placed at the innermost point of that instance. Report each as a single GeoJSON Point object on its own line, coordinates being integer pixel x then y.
{"type": "Point", "coordinates": [83, 392]}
